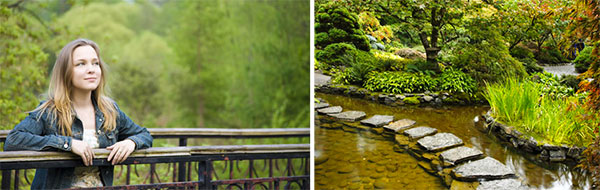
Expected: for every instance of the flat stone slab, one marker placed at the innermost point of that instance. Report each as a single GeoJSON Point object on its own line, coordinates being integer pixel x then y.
{"type": "Point", "coordinates": [400, 125]}
{"type": "Point", "coordinates": [378, 120]}
{"type": "Point", "coordinates": [486, 168]}
{"type": "Point", "coordinates": [503, 184]}
{"type": "Point", "coordinates": [349, 115]}
{"type": "Point", "coordinates": [330, 110]}
{"type": "Point", "coordinates": [321, 105]}
{"type": "Point", "coordinates": [440, 141]}
{"type": "Point", "coordinates": [419, 132]}
{"type": "Point", "coordinates": [459, 154]}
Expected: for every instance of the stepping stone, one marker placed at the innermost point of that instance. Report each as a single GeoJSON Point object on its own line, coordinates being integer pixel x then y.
{"type": "Point", "coordinates": [439, 141]}
{"type": "Point", "coordinates": [378, 120]}
{"type": "Point", "coordinates": [351, 116]}
{"type": "Point", "coordinates": [321, 105]}
{"type": "Point", "coordinates": [400, 125]}
{"type": "Point", "coordinates": [460, 154]}
{"type": "Point", "coordinates": [503, 184]}
{"type": "Point", "coordinates": [419, 132]}
{"type": "Point", "coordinates": [330, 110]}
{"type": "Point", "coordinates": [487, 168]}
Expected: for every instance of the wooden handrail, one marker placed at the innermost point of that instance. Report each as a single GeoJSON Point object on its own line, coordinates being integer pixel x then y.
{"type": "Point", "coordinates": [25, 156]}
{"type": "Point", "coordinates": [216, 132]}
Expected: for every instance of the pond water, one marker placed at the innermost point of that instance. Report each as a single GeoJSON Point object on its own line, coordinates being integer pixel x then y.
{"type": "Point", "coordinates": [366, 161]}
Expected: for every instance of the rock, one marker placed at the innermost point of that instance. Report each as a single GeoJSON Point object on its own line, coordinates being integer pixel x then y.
{"type": "Point", "coordinates": [320, 158]}
{"type": "Point", "coordinates": [371, 38]}
{"type": "Point", "coordinates": [557, 155]}
{"type": "Point", "coordinates": [378, 120]}
{"type": "Point", "coordinates": [503, 184]}
{"type": "Point", "coordinates": [486, 168]}
{"type": "Point", "coordinates": [389, 100]}
{"type": "Point", "coordinates": [531, 145]}
{"type": "Point", "coordinates": [574, 153]}
{"type": "Point", "coordinates": [439, 142]}
{"type": "Point", "coordinates": [410, 53]}
{"type": "Point", "coordinates": [460, 154]}
{"type": "Point", "coordinates": [400, 97]}
{"type": "Point", "coordinates": [409, 95]}
{"type": "Point", "coordinates": [461, 185]}
{"type": "Point", "coordinates": [412, 100]}
{"type": "Point", "coordinates": [427, 98]}
{"type": "Point", "coordinates": [400, 125]}
{"type": "Point", "coordinates": [380, 185]}
{"type": "Point", "coordinates": [321, 105]}
{"type": "Point", "coordinates": [330, 110]}
{"type": "Point", "coordinates": [419, 132]}
{"type": "Point", "coordinates": [402, 140]}
{"type": "Point", "coordinates": [380, 46]}
{"type": "Point", "coordinates": [349, 115]}
{"type": "Point", "coordinates": [345, 169]}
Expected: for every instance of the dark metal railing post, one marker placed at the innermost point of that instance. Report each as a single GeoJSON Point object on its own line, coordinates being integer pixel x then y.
{"type": "Point", "coordinates": [181, 176]}
{"type": "Point", "coordinates": [16, 185]}
{"type": "Point", "coordinates": [6, 175]}
{"type": "Point", "coordinates": [204, 174]}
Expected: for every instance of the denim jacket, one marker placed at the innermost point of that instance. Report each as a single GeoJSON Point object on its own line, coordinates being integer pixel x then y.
{"type": "Point", "coordinates": [43, 134]}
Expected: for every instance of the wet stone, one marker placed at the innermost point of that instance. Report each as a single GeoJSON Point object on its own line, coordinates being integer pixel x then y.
{"type": "Point", "coordinates": [557, 155]}
{"type": "Point", "coordinates": [460, 154]}
{"type": "Point", "coordinates": [503, 184]}
{"type": "Point", "coordinates": [419, 132]}
{"type": "Point", "coordinates": [487, 168]}
{"type": "Point", "coordinates": [378, 120]}
{"type": "Point", "coordinates": [427, 98]}
{"type": "Point", "coordinates": [380, 185]}
{"type": "Point", "coordinates": [321, 105]}
{"type": "Point", "coordinates": [345, 169]}
{"type": "Point", "coordinates": [349, 115]}
{"type": "Point", "coordinates": [439, 141]}
{"type": "Point", "coordinates": [399, 125]}
{"type": "Point", "coordinates": [330, 110]}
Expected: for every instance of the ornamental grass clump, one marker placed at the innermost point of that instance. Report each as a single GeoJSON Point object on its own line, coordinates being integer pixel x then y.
{"type": "Point", "coordinates": [523, 104]}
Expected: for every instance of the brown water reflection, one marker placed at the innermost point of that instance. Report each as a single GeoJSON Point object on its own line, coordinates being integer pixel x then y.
{"type": "Point", "coordinates": [365, 161]}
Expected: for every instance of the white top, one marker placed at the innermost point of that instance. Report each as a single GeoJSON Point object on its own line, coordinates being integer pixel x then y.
{"type": "Point", "coordinates": [88, 176]}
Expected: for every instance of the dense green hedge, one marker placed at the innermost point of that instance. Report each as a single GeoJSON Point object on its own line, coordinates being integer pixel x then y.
{"type": "Point", "coordinates": [450, 80]}
{"type": "Point", "coordinates": [335, 24]}
{"type": "Point", "coordinates": [583, 60]}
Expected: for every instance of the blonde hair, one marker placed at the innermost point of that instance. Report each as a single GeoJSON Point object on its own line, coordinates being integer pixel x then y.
{"type": "Point", "coordinates": [59, 91]}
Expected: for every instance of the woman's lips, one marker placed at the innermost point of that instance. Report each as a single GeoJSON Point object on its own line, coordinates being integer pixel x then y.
{"type": "Point", "coordinates": [90, 79]}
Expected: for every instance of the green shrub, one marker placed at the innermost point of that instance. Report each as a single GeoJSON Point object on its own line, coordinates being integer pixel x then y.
{"type": "Point", "coordinates": [359, 65]}
{"type": "Point", "coordinates": [583, 60]}
{"type": "Point", "coordinates": [521, 52]}
{"type": "Point", "coordinates": [412, 100]}
{"type": "Point", "coordinates": [551, 55]}
{"type": "Point", "coordinates": [333, 53]}
{"type": "Point", "coordinates": [525, 56]}
{"type": "Point", "coordinates": [570, 81]}
{"type": "Point", "coordinates": [453, 80]}
{"type": "Point", "coordinates": [520, 104]}
{"type": "Point", "coordinates": [400, 82]}
{"type": "Point", "coordinates": [335, 24]}
{"type": "Point", "coordinates": [420, 66]}
{"type": "Point", "coordinates": [551, 87]}
{"type": "Point", "coordinates": [488, 62]}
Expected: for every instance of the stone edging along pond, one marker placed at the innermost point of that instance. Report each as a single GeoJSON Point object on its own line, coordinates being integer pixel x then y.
{"type": "Point", "coordinates": [440, 154]}
{"type": "Point", "coordinates": [520, 141]}
{"type": "Point", "coordinates": [427, 98]}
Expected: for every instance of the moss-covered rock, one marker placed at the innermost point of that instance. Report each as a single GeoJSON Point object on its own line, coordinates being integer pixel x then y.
{"type": "Point", "coordinates": [412, 100]}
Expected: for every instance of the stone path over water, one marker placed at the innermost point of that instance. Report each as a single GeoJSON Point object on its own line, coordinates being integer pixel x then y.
{"type": "Point", "coordinates": [440, 154]}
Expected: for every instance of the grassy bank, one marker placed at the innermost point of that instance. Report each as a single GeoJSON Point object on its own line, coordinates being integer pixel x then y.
{"type": "Point", "coordinates": [524, 105]}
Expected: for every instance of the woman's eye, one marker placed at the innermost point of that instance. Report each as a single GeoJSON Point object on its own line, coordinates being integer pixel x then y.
{"type": "Point", "coordinates": [78, 64]}
{"type": "Point", "coordinates": [96, 63]}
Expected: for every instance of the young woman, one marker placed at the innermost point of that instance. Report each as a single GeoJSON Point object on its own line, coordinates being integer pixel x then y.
{"type": "Point", "coordinates": [78, 117]}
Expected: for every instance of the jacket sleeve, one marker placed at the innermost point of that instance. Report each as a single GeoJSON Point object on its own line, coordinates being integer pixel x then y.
{"type": "Point", "coordinates": [129, 130]}
{"type": "Point", "coordinates": [29, 135]}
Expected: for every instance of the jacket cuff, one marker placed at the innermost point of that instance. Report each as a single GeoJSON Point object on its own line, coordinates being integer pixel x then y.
{"type": "Point", "coordinates": [138, 144]}
{"type": "Point", "coordinates": [64, 143]}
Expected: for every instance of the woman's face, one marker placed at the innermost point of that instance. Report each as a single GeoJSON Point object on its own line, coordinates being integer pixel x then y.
{"type": "Point", "coordinates": [86, 68]}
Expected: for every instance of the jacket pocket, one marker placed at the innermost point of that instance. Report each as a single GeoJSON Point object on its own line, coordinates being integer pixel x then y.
{"type": "Point", "coordinates": [112, 137]}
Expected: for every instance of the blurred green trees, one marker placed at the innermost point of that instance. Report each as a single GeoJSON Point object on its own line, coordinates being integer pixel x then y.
{"type": "Point", "coordinates": [232, 64]}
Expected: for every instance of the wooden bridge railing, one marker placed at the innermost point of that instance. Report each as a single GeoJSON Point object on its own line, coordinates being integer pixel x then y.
{"type": "Point", "coordinates": [268, 175]}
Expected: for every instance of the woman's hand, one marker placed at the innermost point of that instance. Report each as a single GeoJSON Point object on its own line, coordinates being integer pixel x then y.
{"type": "Point", "coordinates": [120, 151]}
{"type": "Point", "coordinates": [83, 149]}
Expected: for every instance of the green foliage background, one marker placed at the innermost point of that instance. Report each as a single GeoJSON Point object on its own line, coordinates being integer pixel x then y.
{"type": "Point", "coordinates": [185, 63]}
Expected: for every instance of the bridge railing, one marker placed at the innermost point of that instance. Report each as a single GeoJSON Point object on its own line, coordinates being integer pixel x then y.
{"type": "Point", "coordinates": [272, 166]}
